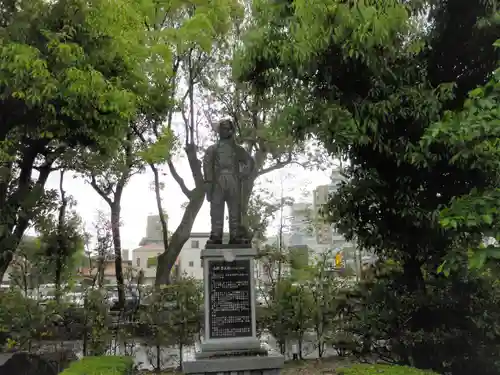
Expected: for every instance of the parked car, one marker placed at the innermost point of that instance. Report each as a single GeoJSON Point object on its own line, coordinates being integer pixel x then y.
{"type": "Point", "coordinates": [131, 297]}
{"type": "Point", "coordinates": [75, 298]}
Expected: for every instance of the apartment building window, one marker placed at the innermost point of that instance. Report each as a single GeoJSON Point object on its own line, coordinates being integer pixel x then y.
{"type": "Point", "coordinates": [152, 262]}
{"type": "Point", "coordinates": [138, 262]}
{"type": "Point", "coordinates": [201, 263]}
{"type": "Point", "coordinates": [191, 264]}
{"type": "Point", "coordinates": [195, 244]}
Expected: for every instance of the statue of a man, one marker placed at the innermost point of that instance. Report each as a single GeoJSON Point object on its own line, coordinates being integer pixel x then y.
{"type": "Point", "coordinates": [226, 166]}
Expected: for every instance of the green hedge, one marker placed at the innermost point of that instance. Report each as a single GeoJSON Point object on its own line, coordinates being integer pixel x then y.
{"type": "Point", "coordinates": [105, 365]}
{"type": "Point", "coordinates": [382, 370]}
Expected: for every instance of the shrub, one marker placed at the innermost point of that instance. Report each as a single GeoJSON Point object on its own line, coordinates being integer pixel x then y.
{"type": "Point", "coordinates": [103, 365]}
{"type": "Point", "coordinates": [441, 327]}
{"type": "Point", "coordinates": [368, 369]}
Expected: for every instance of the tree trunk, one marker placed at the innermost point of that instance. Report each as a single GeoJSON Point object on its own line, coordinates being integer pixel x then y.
{"type": "Point", "coordinates": [413, 276]}
{"type": "Point", "coordinates": [158, 359]}
{"type": "Point", "coordinates": [14, 218]}
{"type": "Point", "coordinates": [159, 206]}
{"type": "Point", "coordinates": [100, 271]}
{"type": "Point", "coordinates": [114, 204]}
{"type": "Point", "coordinates": [61, 246]}
{"type": "Point", "coordinates": [117, 244]}
{"type": "Point", "coordinates": [166, 260]}
{"type": "Point", "coordinates": [301, 342]}
{"type": "Point", "coordinates": [181, 353]}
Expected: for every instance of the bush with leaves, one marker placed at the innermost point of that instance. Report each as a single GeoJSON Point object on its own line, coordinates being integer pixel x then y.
{"type": "Point", "coordinates": [325, 306]}
{"type": "Point", "coordinates": [456, 315]}
{"type": "Point", "coordinates": [19, 316]}
{"type": "Point", "coordinates": [26, 320]}
{"type": "Point", "coordinates": [97, 323]}
{"type": "Point", "coordinates": [287, 315]}
{"type": "Point", "coordinates": [375, 78]}
{"type": "Point", "coordinates": [172, 316]}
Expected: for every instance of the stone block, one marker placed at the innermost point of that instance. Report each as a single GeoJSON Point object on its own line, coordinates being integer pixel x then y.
{"type": "Point", "coordinates": [269, 364]}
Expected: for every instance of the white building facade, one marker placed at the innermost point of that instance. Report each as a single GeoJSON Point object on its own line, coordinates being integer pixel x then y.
{"type": "Point", "coordinates": [188, 262]}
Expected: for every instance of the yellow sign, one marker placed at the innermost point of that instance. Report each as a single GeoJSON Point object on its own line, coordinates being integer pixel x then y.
{"type": "Point", "coordinates": [338, 259]}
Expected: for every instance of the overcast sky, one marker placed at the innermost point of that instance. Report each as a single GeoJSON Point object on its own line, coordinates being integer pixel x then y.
{"type": "Point", "coordinates": [139, 202]}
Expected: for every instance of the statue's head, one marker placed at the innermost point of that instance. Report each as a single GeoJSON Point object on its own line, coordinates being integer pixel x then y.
{"type": "Point", "coordinates": [226, 129]}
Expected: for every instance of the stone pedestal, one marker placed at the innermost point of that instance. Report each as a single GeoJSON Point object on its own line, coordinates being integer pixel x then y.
{"type": "Point", "coordinates": [230, 345]}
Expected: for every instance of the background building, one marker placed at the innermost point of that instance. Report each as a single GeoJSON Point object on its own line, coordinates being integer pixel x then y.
{"type": "Point", "coordinates": [145, 258]}
{"type": "Point", "coordinates": [308, 226]}
{"type": "Point", "coordinates": [86, 275]}
{"type": "Point", "coordinates": [188, 262]}
{"type": "Point", "coordinates": [154, 232]}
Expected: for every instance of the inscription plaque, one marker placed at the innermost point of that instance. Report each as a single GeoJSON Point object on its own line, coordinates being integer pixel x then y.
{"type": "Point", "coordinates": [230, 304]}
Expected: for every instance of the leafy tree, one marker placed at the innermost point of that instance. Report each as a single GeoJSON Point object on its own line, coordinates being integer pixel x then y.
{"type": "Point", "coordinates": [154, 318]}
{"type": "Point", "coordinates": [257, 115]}
{"type": "Point", "coordinates": [103, 249]}
{"type": "Point", "coordinates": [472, 136]}
{"type": "Point", "coordinates": [372, 79]}
{"type": "Point", "coordinates": [185, 314]}
{"type": "Point", "coordinates": [61, 241]}
{"type": "Point", "coordinates": [97, 323]}
{"type": "Point", "coordinates": [25, 271]}
{"type": "Point", "coordinates": [199, 60]}
{"type": "Point", "coordinates": [187, 33]}
{"type": "Point", "coordinates": [173, 316]}
{"type": "Point", "coordinates": [23, 318]}
{"type": "Point", "coordinates": [109, 178]}
{"type": "Point", "coordinates": [324, 307]}
{"type": "Point", "coordinates": [72, 74]}
{"type": "Point", "coordinates": [263, 207]}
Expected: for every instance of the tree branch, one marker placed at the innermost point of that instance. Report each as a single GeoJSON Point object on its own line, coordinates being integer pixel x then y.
{"type": "Point", "coordinates": [97, 188]}
{"type": "Point", "coordinates": [129, 163]}
{"type": "Point", "coordinates": [178, 179]}
{"type": "Point", "coordinates": [195, 165]}
{"type": "Point", "coordinates": [278, 165]}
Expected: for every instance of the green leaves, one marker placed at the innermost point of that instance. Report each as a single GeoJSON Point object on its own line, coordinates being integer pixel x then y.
{"type": "Point", "coordinates": [173, 313]}
{"type": "Point", "coordinates": [161, 149]}
{"type": "Point", "coordinates": [472, 134]}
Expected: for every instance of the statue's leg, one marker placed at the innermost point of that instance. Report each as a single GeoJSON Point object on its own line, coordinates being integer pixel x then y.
{"type": "Point", "coordinates": [217, 215]}
{"type": "Point", "coordinates": [234, 207]}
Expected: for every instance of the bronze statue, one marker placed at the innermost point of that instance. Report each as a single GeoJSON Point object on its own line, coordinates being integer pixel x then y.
{"type": "Point", "coordinates": [226, 166]}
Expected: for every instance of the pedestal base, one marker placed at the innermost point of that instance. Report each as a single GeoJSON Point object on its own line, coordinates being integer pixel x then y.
{"type": "Point", "coordinates": [216, 347]}
{"type": "Point", "coordinates": [270, 363]}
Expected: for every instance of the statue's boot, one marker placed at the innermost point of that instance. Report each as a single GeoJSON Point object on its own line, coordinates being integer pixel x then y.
{"type": "Point", "coordinates": [241, 239]}
{"type": "Point", "coordinates": [214, 240]}
{"type": "Point", "coordinates": [235, 241]}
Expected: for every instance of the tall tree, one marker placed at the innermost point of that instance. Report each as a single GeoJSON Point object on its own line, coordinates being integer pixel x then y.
{"type": "Point", "coordinates": [188, 32]}
{"type": "Point", "coordinates": [199, 63]}
{"type": "Point", "coordinates": [472, 135]}
{"type": "Point", "coordinates": [372, 79]}
{"type": "Point", "coordinates": [109, 178]}
{"type": "Point", "coordinates": [61, 240]}
{"type": "Point", "coordinates": [71, 75]}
